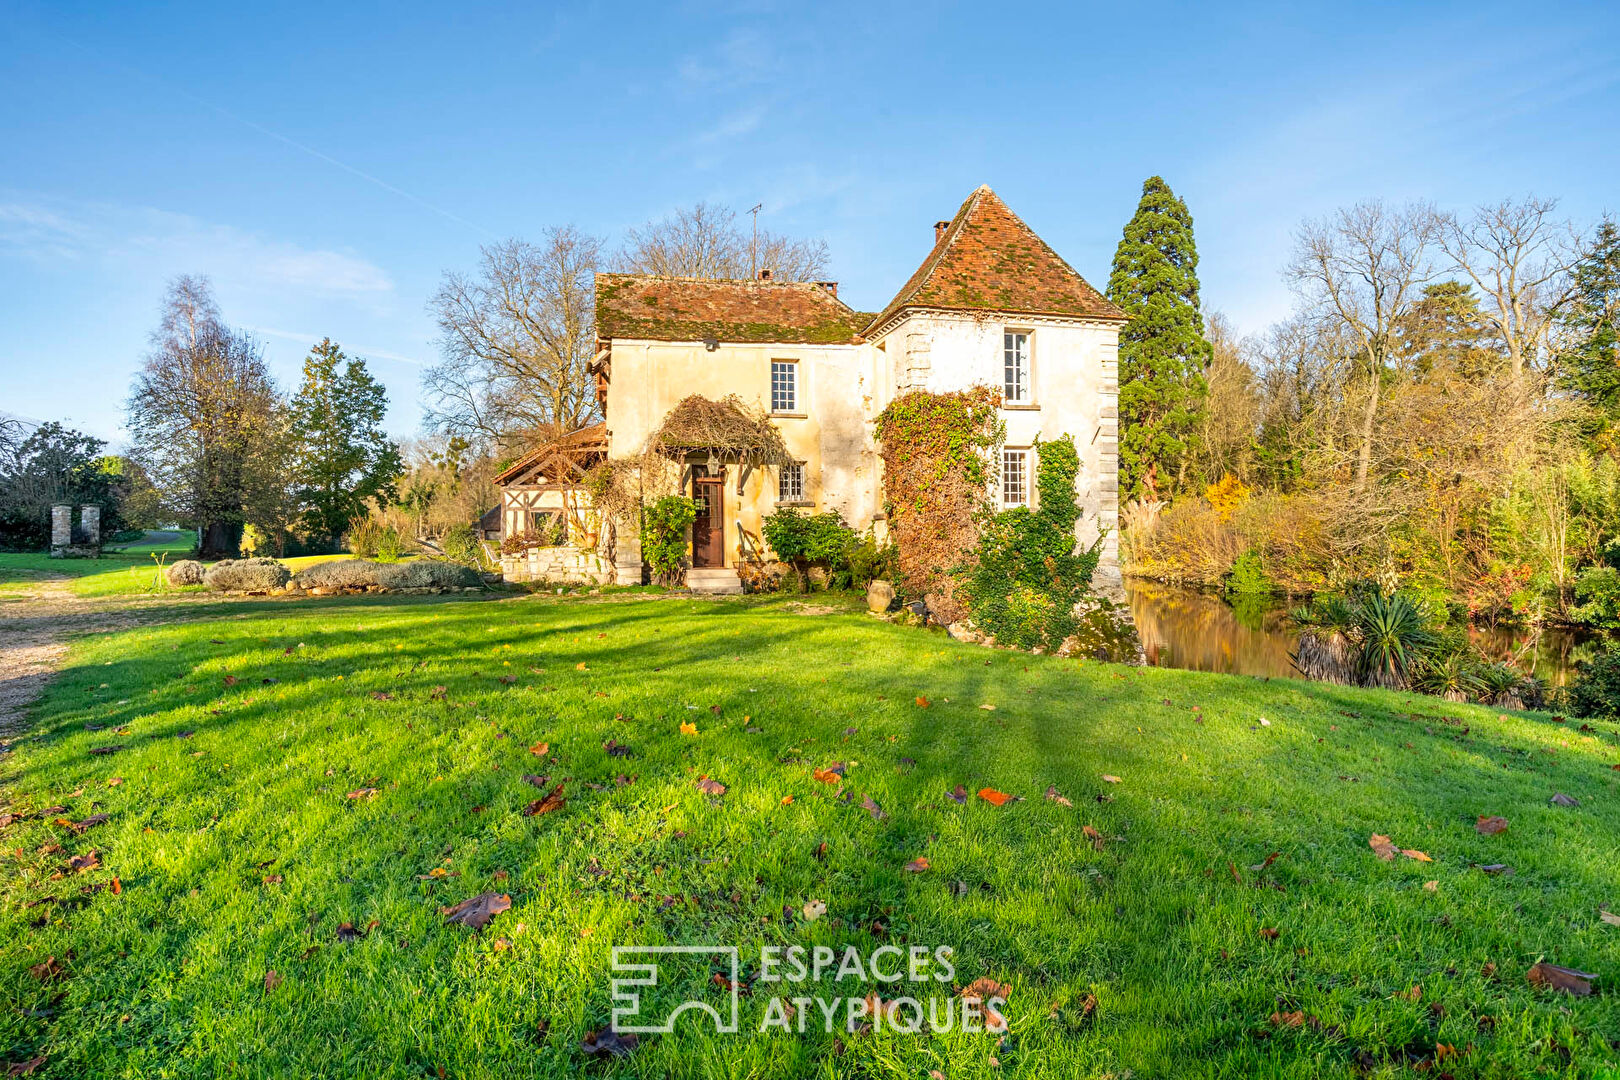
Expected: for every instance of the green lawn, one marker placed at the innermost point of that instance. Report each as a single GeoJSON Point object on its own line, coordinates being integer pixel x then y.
{"type": "Point", "coordinates": [238, 852]}
{"type": "Point", "coordinates": [121, 572]}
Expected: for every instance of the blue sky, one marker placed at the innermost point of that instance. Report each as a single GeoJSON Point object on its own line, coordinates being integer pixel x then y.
{"type": "Point", "coordinates": [325, 164]}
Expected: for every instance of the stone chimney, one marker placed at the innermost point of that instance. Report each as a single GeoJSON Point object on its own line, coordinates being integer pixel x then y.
{"type": "Point", "coordinates": [764, 273]}
{"type": "Point", "coordinates": [830, 286]}
{"type": "Point", "coordinates": [939, 231]}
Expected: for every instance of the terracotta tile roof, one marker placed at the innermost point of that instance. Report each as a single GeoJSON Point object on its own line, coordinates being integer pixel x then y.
{"type": "Point", "coordinates": [989, 260]}
{"type": "Point", "coordinates": [692, 309]}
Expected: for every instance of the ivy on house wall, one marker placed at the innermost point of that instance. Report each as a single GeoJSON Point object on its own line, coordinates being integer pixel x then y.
{"type": "Point", "coordinates": [936, 486]}
{"type": "Point", "coordinates": [1027, 576]}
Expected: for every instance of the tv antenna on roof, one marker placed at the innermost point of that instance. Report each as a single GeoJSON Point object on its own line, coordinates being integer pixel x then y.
{"type": "Point", "coordinates": [753, 245]}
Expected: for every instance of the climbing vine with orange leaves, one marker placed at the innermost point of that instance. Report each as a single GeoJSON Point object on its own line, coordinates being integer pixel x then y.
{"type": "Point", "coordinates": [936, 451]}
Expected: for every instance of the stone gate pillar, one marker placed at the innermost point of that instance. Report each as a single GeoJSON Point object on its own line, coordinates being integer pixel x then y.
{"type": "Point", "coordinates": [61, 526]}
{"type": "Point", "coordinates": [90, 518]}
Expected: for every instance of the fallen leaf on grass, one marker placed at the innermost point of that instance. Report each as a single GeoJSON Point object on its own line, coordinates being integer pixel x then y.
{"type": "Point", "coordinates": [107, 749]}
{"type": "Point", "coordinates": [1609, 917]}
{"type": "Point", "coordinates": [1382, 847]}
{"type": "Point", "coordinates": [1094, 836]}
{"type": "Point", "coordinates": [88, 861]}
{"type": "Point", "coordinates": [79, 826]}
{"type": "Point", "coordinates": [230, 680]}
{"type": "Point", "coordinates": [607, 1043]}
{"type": "Point", "coordinates": [1412, 853]}
{"type": "Point", "coordinates": [382, 695]}
{"type": "Point", "coordinates": [1432, 886]}
{"type": "Point", "coordinates": [540, 749]}
{"type": "Point", "coordinates": [1494, 868]}
{"type": "Point", "coordinates": [271, 980]}
{"type": "Point", "coordinates": [1413, 994]}
{"type": "Point", "coordinates": [826, 776]}
{"type": "Point", "coordinates": [537, 781]}
{"type": "Point", "coordinates": [553, 800]}
{"type": "Point", "coordinates": [959, 795]}
{"type": "Point", "coordinates": [988, 994]}
{"type": "Point", "coordinates": [1273, 857]}
{"type": "Point", "coordinates": [917, 865]}
{"type": "Point", "coordinates": [987, 707]}
{"type": "Point", "coordinates": [1552, 977]}
{"type": "Point", "coordinates": [362, 793]}
{"type": "Point", "coordinates": [349, 932]}
{"type": "Point", "coordinates": [1490, 826]}
{"type": "Point", "coordinates": [1560, 799]}
{"type": "Point", "coordinates": [25, 1068]}
{"type": "Point", "coordinates": [689, 728]}
{"type": "Point", "coordinates": [710, 787]}
{"type": "Point", "coordinates": [871, 807]}
{"type": "Point", "coordinates": [1053, 796]}
{"type": "Point", "coordinates": [477, 911]}
{"type": "Point", "coordinates": [614, 748]}
{"type": "Point", "coordinates": [815, 909]}
{"type": "Point", "coordinates": [923, 703]}
{"type": "Point", "coordinates": [787, 800]}
{"type": "Point", "coordinates": [581, 666]}
{"type": "Point", "coordinates": [115, 781]}
{"type": "Point", "coordinates": [1288, 1019]}
{"type": "Point", "coordinates": [48, 970]}
{"type": "Point", "coordinates": [1110, 779]}
{"type": "Point", "coordinates": [994, 797]}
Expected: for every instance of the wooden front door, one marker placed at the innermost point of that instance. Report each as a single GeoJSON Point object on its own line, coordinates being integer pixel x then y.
{"type": "Point", "coordinates": [709, 527]}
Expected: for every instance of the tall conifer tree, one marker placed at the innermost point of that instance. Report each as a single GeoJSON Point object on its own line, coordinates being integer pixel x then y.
{"type": "Point", "coordinates": [1162, 350]}
{"type": "Point", "coordinates": [344, 456]}
{"type": "Point", "coordinates": [1591, 366]}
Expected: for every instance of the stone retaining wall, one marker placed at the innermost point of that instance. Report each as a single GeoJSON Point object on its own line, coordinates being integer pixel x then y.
{"type": "Point", "coordinates": [565, 564]}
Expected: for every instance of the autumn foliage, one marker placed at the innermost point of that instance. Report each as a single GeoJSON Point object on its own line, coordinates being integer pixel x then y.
{"type": "Point", "coordinates": [934, 449]}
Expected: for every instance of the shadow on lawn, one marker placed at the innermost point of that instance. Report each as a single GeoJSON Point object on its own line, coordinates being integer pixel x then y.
{"type": "Point", "coordinates": [1125, 916]}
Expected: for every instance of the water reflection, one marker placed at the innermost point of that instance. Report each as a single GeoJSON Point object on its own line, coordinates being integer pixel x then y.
{"type": "Point", "coordinates": [1185, 629]}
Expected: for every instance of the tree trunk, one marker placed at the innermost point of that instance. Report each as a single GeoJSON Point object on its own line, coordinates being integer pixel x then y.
{"type": "Point", "coordinates": [1364, 456]}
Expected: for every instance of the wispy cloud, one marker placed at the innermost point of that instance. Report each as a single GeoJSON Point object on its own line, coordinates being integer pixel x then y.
{"type": "Point", "coordinates": [365, 352]}
{"type": "Point", "coordinates": [743, 56]}
{"type": "Point", "coordinates": [734, 125]}
{"type": "Point", "coordinates": [164, 242]}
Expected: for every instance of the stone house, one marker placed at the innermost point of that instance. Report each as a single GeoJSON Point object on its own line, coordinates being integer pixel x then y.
{"type": "Point", "coordinates": [990, 304]}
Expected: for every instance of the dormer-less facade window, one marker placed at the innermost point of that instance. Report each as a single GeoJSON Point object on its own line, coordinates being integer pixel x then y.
{"type": "Point", "coordinates": [784, 386]}
{"type": "Point", "coordinates": [1015, 368]}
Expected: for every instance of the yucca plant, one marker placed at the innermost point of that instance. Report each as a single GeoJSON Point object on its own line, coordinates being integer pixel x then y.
{"type": "Point", "coordinates": [1330, 612]}
{"type": "Point", "coordinates": [1393, 639]}
{"type": "Point", "coordinates": [1452, 677]}
{"type": "Point", "coordinates": [1502, 684]}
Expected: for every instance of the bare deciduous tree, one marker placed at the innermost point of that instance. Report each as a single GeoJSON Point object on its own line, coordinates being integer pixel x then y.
{"type": "Point", "coordinates": [204, 416]}
{"type": "Point", "coordinates": [517, 339]}
{"type": "Point", "coordinates": [706, 241]}
{"type": "Point", "coordinates": [1519, 257]}
{"type": "Point", "coordinates": [1363, 268]}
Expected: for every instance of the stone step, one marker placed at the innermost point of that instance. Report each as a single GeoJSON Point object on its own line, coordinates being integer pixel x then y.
{"type": "Point", "coordinates": [714, 580]}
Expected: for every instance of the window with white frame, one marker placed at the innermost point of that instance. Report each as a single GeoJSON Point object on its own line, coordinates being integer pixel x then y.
{"type": "Point", "coordinates": [790, 484]}
{"type": "Point", "coordinates": [1015, 478]}
{"type": "Point", "coordinates": [1015, 367]}
{"type": "Point", "coordinates": [784, 386]}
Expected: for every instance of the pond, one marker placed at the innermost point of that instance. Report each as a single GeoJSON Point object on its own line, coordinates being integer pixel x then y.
{"type": "Point", "coordinates": [1181, 628]}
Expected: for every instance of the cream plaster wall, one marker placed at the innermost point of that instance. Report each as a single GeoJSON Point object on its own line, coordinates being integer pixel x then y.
{"type": "Point", "coordinates": [829, 431]}
{"type": "Point", "coordinates": [1075, 391]}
